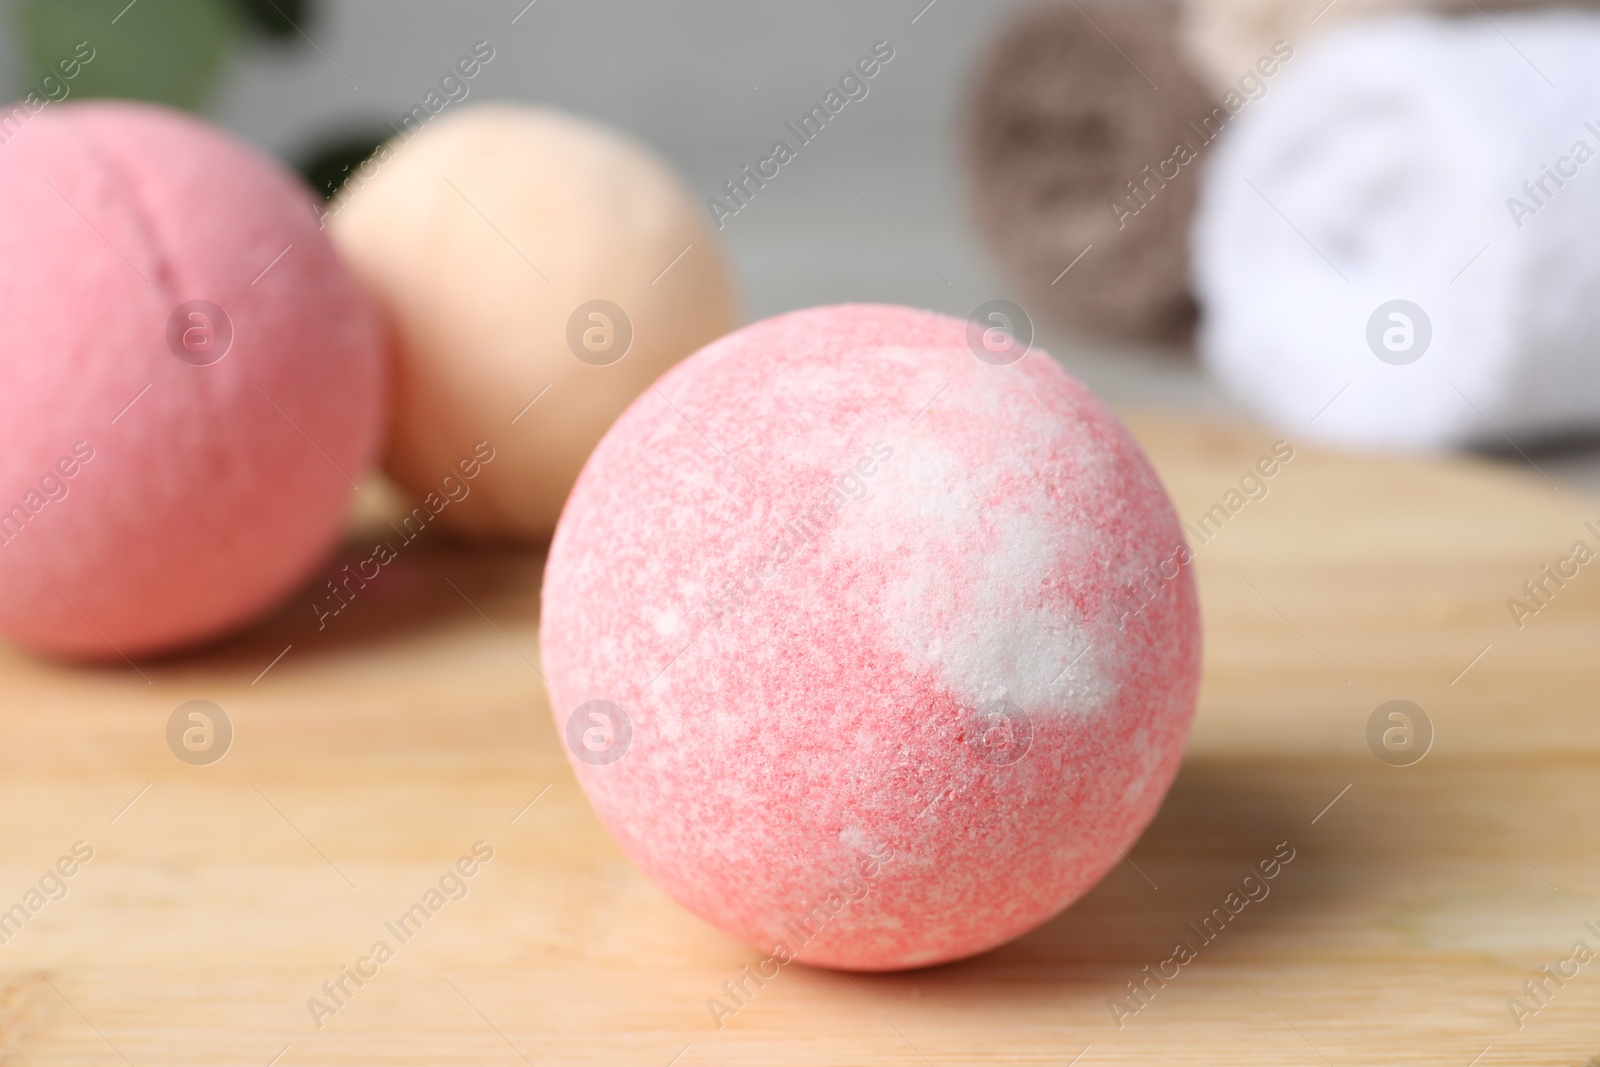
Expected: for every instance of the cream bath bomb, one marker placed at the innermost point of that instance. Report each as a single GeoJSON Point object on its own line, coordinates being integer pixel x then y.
{"type": "Point", "coordinates": [525, 257]}
{"type": "Point", "coordinates": [870, 651]}
{"type": "Point", "coordinates": [189, 379]}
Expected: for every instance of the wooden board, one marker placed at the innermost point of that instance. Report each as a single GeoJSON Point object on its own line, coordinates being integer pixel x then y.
{"type": "Point", "coordinates": [374, 753]}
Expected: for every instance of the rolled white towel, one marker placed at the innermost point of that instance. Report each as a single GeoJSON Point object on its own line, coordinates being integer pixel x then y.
{"type": "Point", "coordinates": [1225, 38]}
{"type": "Point", "coordinates": [1450, 164]}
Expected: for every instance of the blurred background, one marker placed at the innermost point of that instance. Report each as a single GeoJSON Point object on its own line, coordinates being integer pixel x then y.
{"type": "Point", "coordinates": [875, 209]}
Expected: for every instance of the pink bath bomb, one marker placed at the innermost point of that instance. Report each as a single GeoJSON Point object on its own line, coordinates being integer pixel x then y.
{"type": "Point", "coordinates": [189, 381]}
{"type": "Point", "coordinates": [871, 652]}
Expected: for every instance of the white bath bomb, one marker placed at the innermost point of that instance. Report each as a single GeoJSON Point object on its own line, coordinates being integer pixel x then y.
{"type": "Point", "coordinates": [524, 257]}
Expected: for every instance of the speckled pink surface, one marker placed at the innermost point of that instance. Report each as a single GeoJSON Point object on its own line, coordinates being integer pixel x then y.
{"type": "Point", "coordinates": [209, 491]}
{"type": "Point", "coordinates": [867, 604]}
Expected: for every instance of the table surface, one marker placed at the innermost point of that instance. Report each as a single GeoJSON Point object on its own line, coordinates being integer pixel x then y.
{"type": "Point", "coordinates": [371, 755]}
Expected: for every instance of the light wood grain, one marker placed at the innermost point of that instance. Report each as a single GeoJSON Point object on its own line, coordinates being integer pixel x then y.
{"type": "Point", "coordinates": [377, 751]}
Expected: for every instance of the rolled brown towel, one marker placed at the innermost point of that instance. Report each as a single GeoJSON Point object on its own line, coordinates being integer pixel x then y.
{"type": "Point", "coordinates": [1223, 39]}
{"type": "Point", "coordinates": [1075, 111]}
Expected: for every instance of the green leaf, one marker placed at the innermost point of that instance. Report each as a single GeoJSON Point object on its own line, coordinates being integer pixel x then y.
{"type": "Point", "coordinates": [164, 51]}
{"type": "Point", "coordinates": [282, 20]}
{"type": "Point", "coordinates": [333, 160]}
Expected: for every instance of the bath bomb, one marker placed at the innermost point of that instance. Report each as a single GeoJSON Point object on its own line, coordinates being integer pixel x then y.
{"type": "Point", "coordinates": [871, 651]}
{"type": "Point", "coordinates": [541, 271]}
{"type": "Point", "coordinates": [189, 381]}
